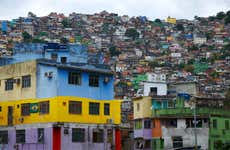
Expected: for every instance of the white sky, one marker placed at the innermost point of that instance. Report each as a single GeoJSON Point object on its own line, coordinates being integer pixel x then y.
{"type": "Point", "coordinates": [153, 9]}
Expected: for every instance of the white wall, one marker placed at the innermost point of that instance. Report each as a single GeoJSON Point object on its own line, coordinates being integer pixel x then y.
{"type": "Point", "coordinates": [161, 88]}
{"type": "Point", "coordinates": [187, 135]}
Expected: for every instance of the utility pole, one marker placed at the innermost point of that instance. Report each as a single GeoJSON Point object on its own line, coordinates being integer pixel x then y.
{"type": "Point", "coordinates": [195, 134]}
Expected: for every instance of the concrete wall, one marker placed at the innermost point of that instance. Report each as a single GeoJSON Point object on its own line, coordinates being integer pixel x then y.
{"type": "Point", "coordinates": [58, 85]}
{"type": "Point", "coordinates": [161, 88]}
{"type": "Point", "coordinates": [103, 92]}
{"type": "Point", "coordinates": [143, 133]}
{"type": "Point", "coordinates": [31, 139]}
{"type": "Point", "coordinates": [145, 110]}
{"type": "Point", "coordinates": [187, 135]}
{"type": "Point", "coordinates": [31, 142]}
{"type": "Point", "coordinates": [46, 87]}
{"type": "Point", "coordinates": [16, 71]}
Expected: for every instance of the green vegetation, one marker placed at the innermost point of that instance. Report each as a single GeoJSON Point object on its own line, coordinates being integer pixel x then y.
{"type": "Point", "coordinates": [132, 33]}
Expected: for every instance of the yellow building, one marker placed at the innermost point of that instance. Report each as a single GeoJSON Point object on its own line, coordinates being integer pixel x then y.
{"type": "Point", "coordinates": [171, 20]}
{"type": "Point", "coordinates": [70, 109]}
{"type": "Point", "coordinates": [142, 107]}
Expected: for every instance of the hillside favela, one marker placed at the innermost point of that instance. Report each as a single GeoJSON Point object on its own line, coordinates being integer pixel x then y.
{"type": "Point", "coordinates": [110, 81]}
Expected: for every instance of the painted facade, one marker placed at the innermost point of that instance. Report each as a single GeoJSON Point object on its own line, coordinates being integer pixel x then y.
{"type": "Point", "coordinates": [51, 100]}
{"type": "Point", "coordinates": [173, 126]}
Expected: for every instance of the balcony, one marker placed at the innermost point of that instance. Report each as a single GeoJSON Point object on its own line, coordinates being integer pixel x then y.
{"type": "Point", "coordinates": [188, 112]}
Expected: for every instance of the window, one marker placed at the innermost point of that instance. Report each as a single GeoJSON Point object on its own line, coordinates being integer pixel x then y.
{"type": "Point", "coordinates": [74, 78]}
{"type": "Point", "coordinates": [171, 104]}
{"type": "Point", "coordinates": [177, 142]}
{"type": "Point", "coordinates": [25, 109]}
{"type": "Point", "coordinates": [54, 56]}
{"type": "Point", "coordinates": [169, 123]}
{"type": "Point", "coordinates": [26, 81]}
{"type": "Point", "coordinates": [40, 135]}
{"type": "Point", "coordinates": [106, 109]}
{"type": "Point", "coordinates": [227, 124]}
{"type": "Point", "coordinates": [147, 144]}
{"type": "Point", "coordinates": [147, 124]}
{"type": "Point", "coordinates": [20, 136]}
{"type": "Point", "coordinates": [138, 106]}
{"type": "Point", "coordinates": [138, 124]}
{"type": "Point", "coordinates": [3, 137]}
{"type": "Point", "coordinates": [44, 107]}
{"type": "Point", "coordinates": [75, 107]}
{"type": "Point", "coordinates": [78, 135]}
{"type": "Point", "coordinates": [190, 123]}
{"type": "Point", "coordinates": [0, 108]}
{"type": "Point", "coordinates": [93, 80]}
{"type": "Point", "coordinates": [94, 108]}
{"type": "Point", "coordinates": [9, 84]}
{"type": "Point", "coordinates": [214, 124]}
{"type": "Point", "coordinates": [98, 136]}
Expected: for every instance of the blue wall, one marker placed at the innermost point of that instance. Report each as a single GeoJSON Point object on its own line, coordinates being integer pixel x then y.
{"type": "Point", "coordinates": [58, 85]}
{"type": "Point", "coordinates": [4, 26]}
{"type": "Point", "coordinates": [46, 87]}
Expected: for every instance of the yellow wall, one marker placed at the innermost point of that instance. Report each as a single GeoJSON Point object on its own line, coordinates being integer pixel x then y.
{"type": "Point", "coordinates": [144, 107]}
{"type": "Point", "coordinates": [171, 20]}
{"type": "Point", "coordinates": [59, 111]}
{"type": "Point", "coordinates": [16, 71]}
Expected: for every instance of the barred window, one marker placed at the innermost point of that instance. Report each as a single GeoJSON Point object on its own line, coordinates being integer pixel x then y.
{"type": "Point", "coordinates": [3, 137]}
{"type": "Point", "coordinates": [26, 81]}
{"type": "Point", "coordinates": [40, 135]}
{"type": "Point", "coordinates": [25, 109]}
{"type": "Point", "coordinates": [106, 109]}
{"type": "Point", "coordinates": [75, 107]}
{"type": "Point", "coordinates": [20, 136]}
{"type": "Point", "coordinates": [147, 124]}
{"type": "Point", "coordinates": [93, 80]}
{"type": "Point", "coordinates": [74, 78]}
{"type": "Point", "coordinates": [94, 108]}
{"type": "Point", "coordinates": [9, 84]}
{"type": "Point", "coordinates": [78, 135]}
{"type": "Point", "coordinates": [44, 107]}
{"type": "Point", "coordinates": [98, 136]}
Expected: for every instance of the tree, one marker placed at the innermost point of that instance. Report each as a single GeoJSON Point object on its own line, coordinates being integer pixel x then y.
{"type": "Point", "coordinates": [180, 27]}
{"type": "Point", "coordinates": [220, 15]}
{"type": "Point", "coordinates": [66, 23]}
{"type": "Point", "coordinates": [113, 51]}
{"type": "Point", "coordinates": [26, 37]}
{"type": "Point", "coordinates": [157, 20]}
{"type": "Point", "coordinates": [64, 40]}
{"type": "Point", "coordinates": [132, 32]}
{"type": "Point", "coordinates": [30, 14]}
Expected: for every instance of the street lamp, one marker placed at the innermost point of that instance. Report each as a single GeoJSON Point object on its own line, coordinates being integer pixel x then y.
{"type": "Point", "coordinates": [194, 116]}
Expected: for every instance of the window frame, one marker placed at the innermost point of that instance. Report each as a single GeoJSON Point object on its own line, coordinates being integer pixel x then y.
{"type": "Point", "coordinates": [21, 136]}
{"type": "Point", "coordinates": [98, 136]}
{"type": "Point", "coordinates": [94, 80]}
{"type": "Point", "coordinates": [94, 108]}
{"type": "Point", "coordinates": [74, 78]}
{"type": "Point", "coordinates": [4, 137]}
{"type": "Point", "coordinates": [107, 109]}
{"type": "Point", "coordinates": [26, 81]}
{"type": "Point", "coordinates": [40, 137]}
{"type": "Point", "coordinates": [147, 124]}
{"type": "Point", "coordinates": [25, 109]}
{"type": "Point", "coordinates": [43, 109]}
{"type": "Point", "coordinates": [80, 135]}
{"type": "Point", "coordinates": [75, 107]}
{"type": "Point", "coordinates": [9, 84]}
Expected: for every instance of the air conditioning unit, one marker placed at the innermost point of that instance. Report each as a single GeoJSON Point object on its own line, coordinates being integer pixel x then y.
{"type": "Point", "coordinates": [17, 81]}
{"type": "Point", "coordinates": [109, 121]}
{"type": "Point", "coordinates": [106, 79]}
{"type": "Point", "coordinates": [49, 74]}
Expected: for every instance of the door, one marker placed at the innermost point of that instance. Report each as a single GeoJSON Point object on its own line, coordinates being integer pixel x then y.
{"type": "Point", "coordinates": [10, 115]}
{"type": "Point", "coordinates": [56, 138]}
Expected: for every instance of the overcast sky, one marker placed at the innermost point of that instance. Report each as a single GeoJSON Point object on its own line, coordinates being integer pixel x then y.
{"type": "Point", "coordinates": [153, 9]}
